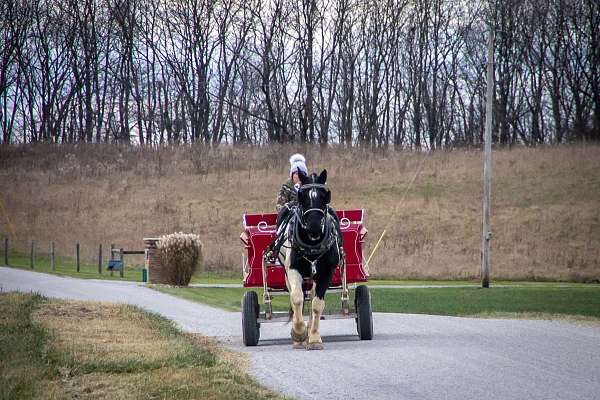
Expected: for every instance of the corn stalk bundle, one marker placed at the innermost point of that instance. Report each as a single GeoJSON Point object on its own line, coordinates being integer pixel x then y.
{"type": "Point", "coordinates": [181, 255]}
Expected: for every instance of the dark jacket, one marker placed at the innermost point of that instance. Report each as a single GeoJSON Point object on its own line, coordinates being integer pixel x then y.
{"type": "Point", "coordinates": [287, 194]}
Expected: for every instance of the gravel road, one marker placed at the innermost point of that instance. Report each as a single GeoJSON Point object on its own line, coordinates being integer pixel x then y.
{"type": "Point", "coordinates": [411, 356]}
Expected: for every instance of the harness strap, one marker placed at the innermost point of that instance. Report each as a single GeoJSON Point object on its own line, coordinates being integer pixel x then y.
{"type": "Point", "coordinates": [290, 229]}
{"type": "Point", "coordinates": [277, 243]}
{"type": "Point", "coordinates": [338, 247]}
{"type": "Point", "coordinates": [313, 209]}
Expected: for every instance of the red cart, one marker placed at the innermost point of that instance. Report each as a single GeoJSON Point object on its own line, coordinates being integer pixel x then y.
{"type": "Point", "coordinates": [259, 232]}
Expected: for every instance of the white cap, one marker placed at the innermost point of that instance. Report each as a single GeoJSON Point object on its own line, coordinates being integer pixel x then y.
{"type": "Point", "coordinates": [298, 163]}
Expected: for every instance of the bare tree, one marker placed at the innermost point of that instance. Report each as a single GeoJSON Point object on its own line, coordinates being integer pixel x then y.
{"type": "Point", "coordinates": [368, 73]}
{"type": "Point", "coordinates": [16, 20]}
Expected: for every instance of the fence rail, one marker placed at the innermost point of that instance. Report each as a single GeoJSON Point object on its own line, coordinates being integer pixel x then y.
{"type": "Point", "coordinates": [71, 265]}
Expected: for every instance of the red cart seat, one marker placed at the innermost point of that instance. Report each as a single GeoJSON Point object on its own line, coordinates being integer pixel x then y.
{"type": "Point", "coordinates": [259, 232]}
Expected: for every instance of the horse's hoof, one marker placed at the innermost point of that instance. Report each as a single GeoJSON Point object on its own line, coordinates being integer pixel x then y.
{"type": "Point", "coordinates": [314, 346]}
{"type": "Point", "coordinates": [299, 345]}
{"type": "Point", "coordinates": [299, 337]}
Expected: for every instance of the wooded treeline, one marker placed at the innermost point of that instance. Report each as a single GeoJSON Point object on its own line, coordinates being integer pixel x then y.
{"type": "Point", "coordinates": [377, 73]}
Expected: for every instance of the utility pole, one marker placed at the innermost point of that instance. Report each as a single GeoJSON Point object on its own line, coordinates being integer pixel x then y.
{"type": "Point", "coordinates": [486, 234]}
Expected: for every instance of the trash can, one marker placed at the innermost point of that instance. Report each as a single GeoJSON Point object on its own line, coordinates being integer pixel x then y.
{"type": "Point", "coordinates": [144, 275]}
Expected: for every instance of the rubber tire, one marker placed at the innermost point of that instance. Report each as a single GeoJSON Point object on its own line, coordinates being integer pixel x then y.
{"type": "Point", "coordinates": [364, 319]}
{"type": "Point", "coordinates": [250, 325]}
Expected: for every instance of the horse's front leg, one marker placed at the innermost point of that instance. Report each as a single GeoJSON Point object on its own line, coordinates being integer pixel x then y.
{"type": "Point", "coordinates": [318, 305]}
{"type": "Point", "coordinates": [314, 336]}
{"type": "Point", "coordinates": [299, 331]}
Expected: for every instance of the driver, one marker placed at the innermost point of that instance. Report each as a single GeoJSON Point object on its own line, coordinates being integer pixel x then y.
{"type": "Point", "coordinates": [289, 190]}
{"type": "Point", "coordinates": [288, 194]}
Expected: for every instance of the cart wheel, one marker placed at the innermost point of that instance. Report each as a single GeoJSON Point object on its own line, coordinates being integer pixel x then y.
{"type": "Point", "coordinates": [364, 320]}
{"type": "Point", "coordinates": [250, 325]}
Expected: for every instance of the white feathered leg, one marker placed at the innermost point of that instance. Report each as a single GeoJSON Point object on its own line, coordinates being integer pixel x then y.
{"type": "Point", "coordinates": [299, 332]}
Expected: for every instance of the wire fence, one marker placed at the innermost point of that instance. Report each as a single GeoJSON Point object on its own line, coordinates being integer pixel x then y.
{"type": "Point", "coordinates": [108, 262]}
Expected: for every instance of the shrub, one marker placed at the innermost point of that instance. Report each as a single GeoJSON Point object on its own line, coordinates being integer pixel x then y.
{"type": "Point", "coordinates": [180, 255]}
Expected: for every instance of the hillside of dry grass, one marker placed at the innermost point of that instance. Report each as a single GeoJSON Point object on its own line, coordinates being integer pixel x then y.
{"type": "Point", "coordinates": [545, 203]}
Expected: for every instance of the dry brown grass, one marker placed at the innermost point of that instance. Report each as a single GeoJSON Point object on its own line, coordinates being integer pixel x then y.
{"type": "Point", "coordinates": [108, 351]}
{"type": "Point", "coordinates": [573, 319]}
{"type": "Point", "coordinates": [545, 203]}
{"type": "Point", "coordinates": [114, 334]}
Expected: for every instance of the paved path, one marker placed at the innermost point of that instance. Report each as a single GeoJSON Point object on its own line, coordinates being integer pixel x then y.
{"type": "Point", "coordinates": [411, 356]}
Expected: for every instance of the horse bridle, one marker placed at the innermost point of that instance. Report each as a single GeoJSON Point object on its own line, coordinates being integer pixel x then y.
{"type": "Point", "coordinates": [302, 213]}
{"type": "Point", "coordinates": [328, 238]}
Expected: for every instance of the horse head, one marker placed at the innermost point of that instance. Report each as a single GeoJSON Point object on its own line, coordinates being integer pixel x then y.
{"type": "Point", "coordinates": [313, 198]}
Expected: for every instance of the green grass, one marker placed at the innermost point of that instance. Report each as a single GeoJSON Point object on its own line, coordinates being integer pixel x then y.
{"type": "Point", "coordinates": [22, 362]}
{"type": "Point", "coordinates": [378, 282]}
{"type": "Point", "coordinates": [65, 266]}
{"type": "Point", "coordinates": [568, 301]}
{"type": "Point", "coordinates": [216, 278]}
{"type": "Point", "coordinates": [582, 301]}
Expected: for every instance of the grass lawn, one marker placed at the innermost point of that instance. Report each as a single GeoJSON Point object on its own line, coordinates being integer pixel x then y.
{"type": "Point", "coordinates": [65, 266]}
{"type": "Point", "coordinates": [60, 349]}
{"type": "Point", "coordinates": [535, 301]}
{"type": "Point", "coordinates": [571, 301]}
{"type": "Point", "coordinates": [406, 282]}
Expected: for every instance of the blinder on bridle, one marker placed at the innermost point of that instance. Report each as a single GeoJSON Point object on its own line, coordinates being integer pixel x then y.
{"type": "Point", "coordinates": [307, 188]}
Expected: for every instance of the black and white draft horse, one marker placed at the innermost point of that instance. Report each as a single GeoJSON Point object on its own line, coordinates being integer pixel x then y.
{"type": "Point", "coordinates": [312, 250]}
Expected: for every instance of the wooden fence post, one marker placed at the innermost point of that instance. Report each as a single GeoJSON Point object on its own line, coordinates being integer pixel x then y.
{"type": "Point", "coordinates": [77, 256]}
{"type": "Point", "coordinates": [100, 259]}
{"type": "Point", "coordinates": [6, 251]}
{"type": "Point", "coordinates": [112, 247]}
{"type": "Point", "coordinates": [32, 254]}
{"type": "Point", "coordinates": [52, 260]}
{"type": "Point", "coordinates": [122, 264]}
